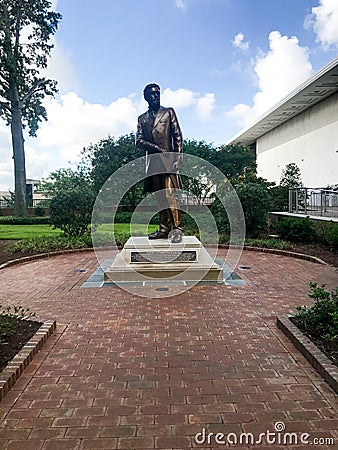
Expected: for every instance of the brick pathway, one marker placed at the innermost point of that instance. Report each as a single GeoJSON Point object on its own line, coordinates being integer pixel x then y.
{"type": "Point", "coordinates": [125, 372]}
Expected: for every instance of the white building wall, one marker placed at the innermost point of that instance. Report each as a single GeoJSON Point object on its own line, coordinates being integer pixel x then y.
{"type": "Point", "coordinates": [310, 140]}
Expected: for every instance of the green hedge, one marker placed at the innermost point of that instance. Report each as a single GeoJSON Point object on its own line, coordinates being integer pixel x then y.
{"type": "Point", "coordinates": [124, 217]}
{"type": "Point", "coordinates": [296, 230]}
{"type": "Point", "coordinates": [331, 235]}
{"type": "Point", "coordinates": [320, 319]}
{"type": "Point", "coordinates": [27, 220]}
{"type": "Point", "coordinates": [45, 244]}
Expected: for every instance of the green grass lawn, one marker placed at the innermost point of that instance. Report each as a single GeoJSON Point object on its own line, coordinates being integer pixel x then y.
{"type": "Point", "coordinates": [137, 229]}
{"type": "Point", "coordinates": [28, 231]}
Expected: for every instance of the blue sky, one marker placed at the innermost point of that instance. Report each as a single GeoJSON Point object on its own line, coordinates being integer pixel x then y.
{"type": "Point", "coordinates": [220, 63]}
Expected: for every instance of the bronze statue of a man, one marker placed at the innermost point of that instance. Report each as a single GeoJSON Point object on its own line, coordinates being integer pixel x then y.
{"type": "Point", "coordinates": [159, 134]}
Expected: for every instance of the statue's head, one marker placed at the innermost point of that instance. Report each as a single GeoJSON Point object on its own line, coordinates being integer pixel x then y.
{"type": "Point", "coordinates": [151, 94]}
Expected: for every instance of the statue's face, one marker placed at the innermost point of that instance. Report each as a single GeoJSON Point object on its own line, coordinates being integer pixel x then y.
{"type": "Point", "coordinates": [153, 98]}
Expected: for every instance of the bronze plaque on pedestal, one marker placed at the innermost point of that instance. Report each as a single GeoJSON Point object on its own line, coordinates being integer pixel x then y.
{"type": "Point", "coordinates": [153, 257]}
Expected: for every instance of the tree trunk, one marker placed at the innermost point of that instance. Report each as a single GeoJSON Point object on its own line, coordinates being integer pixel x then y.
{"type": "Point", "coordinates": [20, 206]}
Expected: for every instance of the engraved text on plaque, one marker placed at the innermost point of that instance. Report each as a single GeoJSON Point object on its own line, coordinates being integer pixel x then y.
{"type": "Point", "coordinates": [163, 257]}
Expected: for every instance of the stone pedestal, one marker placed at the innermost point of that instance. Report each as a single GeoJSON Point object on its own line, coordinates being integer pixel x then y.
{"type": "Point", "coordinates": [142, 259]}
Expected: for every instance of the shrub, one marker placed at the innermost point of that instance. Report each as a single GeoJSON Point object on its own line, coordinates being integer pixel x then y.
{"type": "Point", "coordinates": [71, 211]}
{"type": "Point", "coordinates": [45, 244]}
{"type": "Point", "coordinates": [123, 216]}
{"type": "Point", "coordinates": [39, 211]}
{"type": "Point", "coordinates": [221, 217]}
{"type": "Point", "coordinates": [331, 235]}
{"type": "Point", "coordinates": [255, 201]}
{"type": "Point", "coordinates": [320, 319]}
{"type": "Point", "coordinates": [279, 198]}
{"type": "Point", "coordinates": [16, 312]}
{"type": "Point", "coordinates": [268, 243]}
{"type": "Point", "coordinates": [296, 230]}
{"type": "Point", "coordinates": [27, 220]}
{"type": "Point", "coordinates": [121, 238]}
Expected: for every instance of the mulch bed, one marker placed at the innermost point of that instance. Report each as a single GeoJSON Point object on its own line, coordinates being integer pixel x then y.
{"type": "Point", "coordinates": [5, 255]}
{"type": "Point", "coordinates": [330, 349]}
{"type": "Point", "coordinates": [14, 334]}
{"type": "Point", "coordinates": [324, 253]}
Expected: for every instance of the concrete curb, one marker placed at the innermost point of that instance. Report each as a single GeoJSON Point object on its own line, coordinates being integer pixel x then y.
{"type": "Point", "coordinates": [11, 373]}
{"type": "Point", "coordinates": [316, 357]}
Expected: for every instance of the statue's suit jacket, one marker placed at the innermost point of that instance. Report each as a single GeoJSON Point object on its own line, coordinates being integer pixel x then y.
{"type": "Point", "coordinates": [152, 136]}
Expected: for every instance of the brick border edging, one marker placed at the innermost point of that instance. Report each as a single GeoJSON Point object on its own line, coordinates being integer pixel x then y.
{"type": "Point", "coordinates": [310, 351]}
{"type": "Point", "coordinates": [24, 259]}
{"type": "Point", "coordinates": [11, 373]}
{"type": "Point", "coordinates": [273, 251]}
{"type": "Point", "coordinates": [296, 255]}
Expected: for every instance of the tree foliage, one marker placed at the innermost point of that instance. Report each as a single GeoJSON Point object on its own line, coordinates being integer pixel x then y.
{"type": "Point", "coordinates": [64, 180]}
{"type": "Point", "coordinates": [72, 199]}
{"type": "Point", "coordinates": [106, 157]}
{"type": "Point", "coordinates": [255, 200]}
{"type": "Point", "coordinates": [237, 162]}
{"type": "Point", "coordinates": [25, 30]}
{"type": "Point", "coordinates": [71, 211]}
{"type": "Point", "coordinates": [291, 176]}
{"type": "Point", "coordinates": [296, 229]}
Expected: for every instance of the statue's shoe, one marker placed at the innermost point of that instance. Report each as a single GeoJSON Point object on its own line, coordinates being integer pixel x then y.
{"type": "Point", "coordinates": [158, 235]}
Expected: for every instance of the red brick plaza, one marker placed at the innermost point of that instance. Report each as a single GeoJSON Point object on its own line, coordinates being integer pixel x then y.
{"type": "Point", "coordinates": [128, 372]}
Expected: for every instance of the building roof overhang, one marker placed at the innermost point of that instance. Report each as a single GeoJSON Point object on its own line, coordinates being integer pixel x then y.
{"type": "Point", "coordinates": [321, 85]}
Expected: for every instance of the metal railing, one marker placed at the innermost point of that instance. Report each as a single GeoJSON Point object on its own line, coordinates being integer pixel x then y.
{"type": "Point", "coordinates": [313, 202]}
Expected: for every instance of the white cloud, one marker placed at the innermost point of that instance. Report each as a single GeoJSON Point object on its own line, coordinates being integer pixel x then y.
{"type": "Point", "coordinates": [74, 123]}
{"type": "Point", "coordinates": [37, 162]}
{"type": "Point", "coordinates": [180, 98]}
{"type": "Point", "coordinates": [184, 98]}
{"type": "Point", "coordinates": [59, 65]}
{"type": "Point", "coordinates": [324, 22]}
{"type": "Point", "coordinates": [205, 105]}
{"type": "Point", "coordinates": [180, 4]}
{"type": "Point", "coordinates": [61, 69]}
{"type": "Point", "coordinates": [238, 42]}
{"type": "Point", "coordinates": [281, 70]}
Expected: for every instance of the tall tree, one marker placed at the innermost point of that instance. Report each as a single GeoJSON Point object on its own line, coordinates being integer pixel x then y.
{"type": "Point", "coordinates": [291, 176]}
{"type": "Point", "coordinates": [25, 30]}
